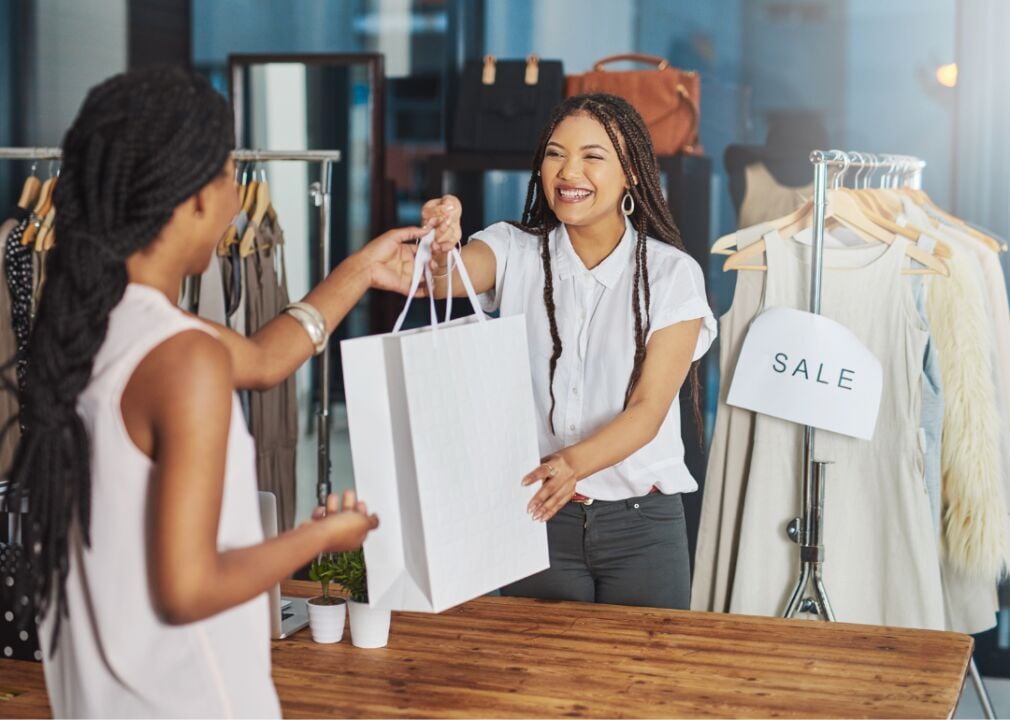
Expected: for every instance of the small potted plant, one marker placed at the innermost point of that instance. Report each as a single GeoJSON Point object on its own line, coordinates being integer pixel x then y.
{"type": "Point", "coordinates": [369, 626]}
{"type": "Point", "coordinates": [326, 613]}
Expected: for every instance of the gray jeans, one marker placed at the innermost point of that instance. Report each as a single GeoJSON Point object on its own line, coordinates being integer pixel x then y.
{"type": "Point", "coordinates": [625, 552]}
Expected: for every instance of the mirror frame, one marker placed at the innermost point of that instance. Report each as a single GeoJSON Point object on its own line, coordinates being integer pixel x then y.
{"type": "Point", "coordinates": [237, 63]}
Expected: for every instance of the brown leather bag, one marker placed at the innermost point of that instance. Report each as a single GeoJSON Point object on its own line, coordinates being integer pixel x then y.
{"type": "Point", "coordinates": [668, 99]}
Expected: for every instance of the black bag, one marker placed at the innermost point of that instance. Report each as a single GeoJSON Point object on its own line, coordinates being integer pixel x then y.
{"type": "Point", "coordinates": [503, 105]}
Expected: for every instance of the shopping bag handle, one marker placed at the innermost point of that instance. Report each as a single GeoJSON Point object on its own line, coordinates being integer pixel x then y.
{"type": "Point", "coordinates": [422, 269]}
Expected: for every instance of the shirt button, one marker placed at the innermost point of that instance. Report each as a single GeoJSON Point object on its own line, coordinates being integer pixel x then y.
{"type": "Point", "coordinates": [575, 391]}
{"type": "Point", "coordinates": [572, 428]}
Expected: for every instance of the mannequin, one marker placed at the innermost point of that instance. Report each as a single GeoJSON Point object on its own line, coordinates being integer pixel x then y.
{"type": "Point", "coordinates": [792, 135]}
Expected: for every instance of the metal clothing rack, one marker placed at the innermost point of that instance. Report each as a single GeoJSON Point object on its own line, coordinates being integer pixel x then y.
{"type": "Point", "coordinates": [810, 595]}
{"type": "Point", "coordinates": [321, 192]}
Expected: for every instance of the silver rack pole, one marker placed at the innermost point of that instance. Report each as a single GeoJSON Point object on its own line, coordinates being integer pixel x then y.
{"type": "Point", "coordinates": [806, 529]}
{"type": "Point", "coordinates": [323, 486]}
{"type": "Point", "coordinates": [320, 156]}
{"type": "Point", "coordinates": [322, 192]}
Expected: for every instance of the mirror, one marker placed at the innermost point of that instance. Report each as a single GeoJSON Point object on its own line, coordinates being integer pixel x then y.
{"type": "Point", "coordinates": [319, 102]}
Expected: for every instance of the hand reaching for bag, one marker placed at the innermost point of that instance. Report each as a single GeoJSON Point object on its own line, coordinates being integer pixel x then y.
{"type": "Point", "coordinates": [443, 215]}
{"type": "Point", "coordinates": [558, 480]}
{"type": "Point", "coordinates": [347, 521]}
{"type": "Point", "coordinates": [389, 258]}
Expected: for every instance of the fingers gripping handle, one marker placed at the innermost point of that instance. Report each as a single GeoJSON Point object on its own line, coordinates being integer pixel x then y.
{"type": "Point", "coordinates": [423, 269]}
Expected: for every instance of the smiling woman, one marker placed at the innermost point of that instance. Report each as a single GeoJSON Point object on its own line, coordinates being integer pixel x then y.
{"type": "Point", "coordinates": [616, 314]}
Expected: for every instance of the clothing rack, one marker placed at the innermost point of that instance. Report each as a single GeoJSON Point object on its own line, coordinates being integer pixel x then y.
{"type": "Point", "coordinates": [321, 192]}
{"type": "Point", "coordinates": [903, 171]}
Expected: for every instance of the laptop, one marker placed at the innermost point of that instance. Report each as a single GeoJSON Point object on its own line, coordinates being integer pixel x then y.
{"type": "Point", "coordinates": [287, 615]}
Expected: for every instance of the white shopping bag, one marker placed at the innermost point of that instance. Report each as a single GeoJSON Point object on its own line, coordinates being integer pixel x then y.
{"type": "Point", "coordinates": [443, 430]}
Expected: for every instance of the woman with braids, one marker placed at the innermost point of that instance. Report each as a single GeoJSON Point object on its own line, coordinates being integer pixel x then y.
{"type": "Point", "coordinates": [615, 314]}
{"type": "Point", "coordinates": [148, 561]}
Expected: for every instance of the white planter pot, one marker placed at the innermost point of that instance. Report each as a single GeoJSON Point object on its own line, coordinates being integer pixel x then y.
{"type": "Point", "coordinates": [327, 621]}
{"type": "Point", "coordinates": [369, 626]}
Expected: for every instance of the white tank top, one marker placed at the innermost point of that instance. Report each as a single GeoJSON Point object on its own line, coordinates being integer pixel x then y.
{"type": "Point", "coordinates": [116, 657]}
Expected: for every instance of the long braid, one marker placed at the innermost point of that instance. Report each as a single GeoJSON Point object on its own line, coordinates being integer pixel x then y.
{"type": "Point", "coordinates": [651, 218]}
{"type": "Point", "coordinates": [545, 255]}
{"type": "Point", "coordinates": [142, 143]}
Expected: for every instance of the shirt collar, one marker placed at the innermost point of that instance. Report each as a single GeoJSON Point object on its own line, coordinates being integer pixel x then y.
{"type": "Point", "coordinates": [568, 264]}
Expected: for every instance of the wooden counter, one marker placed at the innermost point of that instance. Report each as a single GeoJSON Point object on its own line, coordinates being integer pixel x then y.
{"type": "Point", "coordinates": [507, 657]}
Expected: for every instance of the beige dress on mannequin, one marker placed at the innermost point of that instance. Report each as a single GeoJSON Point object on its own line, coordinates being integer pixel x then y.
{"type": "Point", "coordinates": [765, 199]}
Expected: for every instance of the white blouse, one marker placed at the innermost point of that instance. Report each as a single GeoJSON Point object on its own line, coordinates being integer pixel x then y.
{"type": "Point", "coordinates": [596, 324]}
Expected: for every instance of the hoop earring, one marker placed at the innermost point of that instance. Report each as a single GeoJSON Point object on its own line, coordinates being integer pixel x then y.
{"type": "Point", "coordinates": [624, 203]}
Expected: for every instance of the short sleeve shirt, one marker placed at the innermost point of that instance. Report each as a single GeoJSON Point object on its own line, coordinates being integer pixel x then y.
{"type": "Point", "coordinates": [595, 320]}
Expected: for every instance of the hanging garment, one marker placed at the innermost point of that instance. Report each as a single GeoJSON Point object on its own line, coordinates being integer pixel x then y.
{"type": "Point", "coordinates": [10, 431]}
{"type": "Point", "coordinates": [729, 454]}
{"type": "Point", "coordinates": [116, 656]}
{"type": "Point", "coordinates": [765, 199]}
{"type": "Point", "coordinates": [19, 272]}
{"type": "Point", "coordinates": [211, 302]}
{"type": "Point", "coordinates": [975, 452]}
{"type": "Point", "coordinates": [882, 567]}
{"type": "Point", "coordinates": [274, 412]}
{"type": "Point", "coordinates": [931, 417]}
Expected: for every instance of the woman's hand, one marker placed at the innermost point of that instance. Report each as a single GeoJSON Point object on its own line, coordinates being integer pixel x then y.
{"type": "Point", "coordinates": [443, 215]}
{"type": "Point", "coordinates": [389, 259]}
{"type": "Point", "coordinates": [558, 478]}
{"type": "Point", "coordinates": [347, 519]}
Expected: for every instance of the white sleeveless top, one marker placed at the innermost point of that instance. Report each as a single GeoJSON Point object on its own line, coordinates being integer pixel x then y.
{"type": "Point", "coordinates": [116, 657]}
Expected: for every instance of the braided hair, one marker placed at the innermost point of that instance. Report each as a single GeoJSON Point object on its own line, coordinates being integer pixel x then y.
{"type": "Point", "coordinates": [651, 217]}
{"type": "Point", "coordinates": [142, 143]}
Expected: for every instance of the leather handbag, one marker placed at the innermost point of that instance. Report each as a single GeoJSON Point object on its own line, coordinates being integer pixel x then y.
{"type": "Point", "coordinates": [504, 104]}
{"type": "Point", "coordinates": [667, 98]}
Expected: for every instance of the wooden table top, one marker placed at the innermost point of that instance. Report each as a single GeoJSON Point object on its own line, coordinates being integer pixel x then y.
{"type": "Point", "coordinates": [511, 657]}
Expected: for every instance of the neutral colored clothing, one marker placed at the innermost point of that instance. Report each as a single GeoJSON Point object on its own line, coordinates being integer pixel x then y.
{"type": "Point", "coordinates": [116, 657]}
{"type": "Point", "coordinates": [882, 567]}
{"type": "Point", "coordinates": [730, 451]}
{"type": "Point", "coordinates": [624, 552]}
{"type": "Point", "coordinates": [975, 513]}
{"type": "Point", "coordinates": [766, 199]}
{"type": "Point", "coordinates": [596, 323]}
{"type": "Point", "coordinates": [211, 301]}
{"type": "Point", "coordinates": [273, 413]}
{"type": "Point", "coordinates": [10, 430]}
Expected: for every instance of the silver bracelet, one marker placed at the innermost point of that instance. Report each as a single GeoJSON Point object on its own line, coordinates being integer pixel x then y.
{"type": "Point", "coordinates": [312, 322]}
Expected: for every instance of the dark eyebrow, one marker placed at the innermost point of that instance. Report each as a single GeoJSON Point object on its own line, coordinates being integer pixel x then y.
{"type": "Point", "coordinates": [584, 147]}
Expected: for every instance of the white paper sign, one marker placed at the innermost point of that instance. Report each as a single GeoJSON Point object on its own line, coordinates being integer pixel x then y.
{"type": "Point", "coordinates": [443, 429]}
{"type": "Point", "coordinates": [810, 370]}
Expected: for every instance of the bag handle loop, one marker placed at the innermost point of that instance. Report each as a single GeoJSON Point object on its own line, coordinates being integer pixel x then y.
{"type": "Point", "coordinates": [421, 269]}
{"type": "Point", "coordinates": [660, 63]}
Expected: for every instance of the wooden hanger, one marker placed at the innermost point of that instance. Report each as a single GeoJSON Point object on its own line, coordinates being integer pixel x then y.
{"type": "Point", "coordinates": [727, 243]}
{"type": "Point", "coordinates": [230, 236]}
{"type": "Point", "coordinates": [39, 212]}
{"type": "Point", "coordinates": [843, 210]}
{"type": "Point", "coordinates": [43, 240]}
{"type": "Point", "coordinates": [909, 232]}
{"type": "Point", "coordinates": [29, 192]}
{"type": "Point", "coordinates": [247, 246]}
{"type": "Point", "coordinates": [923, 200]}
